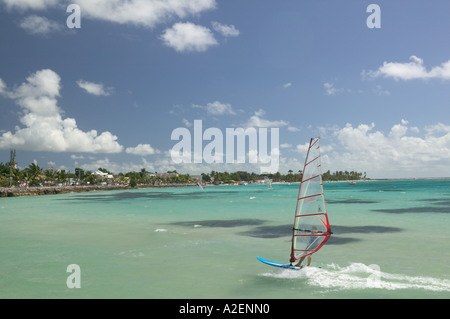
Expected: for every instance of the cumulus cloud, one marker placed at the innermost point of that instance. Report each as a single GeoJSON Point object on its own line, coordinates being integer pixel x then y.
{"type": "Point", "coordinates": [147, 13]}
{"type": "Point", "coordinates": [30, 4]}
{"type": "Point", "coordinates": [37, 25]}
{"type": "Point", "coordinates": [410, 70]}
{"type": "Point", "coordinates": [94, 88]}
{"type": "Point", "coordinates": [225, 30]}
{"type": "Point", "coordinates": [142, 149]}
{"type": "Point", "coordinates": [217, 108]}
{"type": "Point", "coordinates": [44, 127]}
{"type": "Point", "coordinates": [257, 120]}
{"type": "Point", "coordinates": [437, 129]}
{"type": "Point", "coordinates": [188, 37]}
{"type": "Point", "coordinates": [397, 153]}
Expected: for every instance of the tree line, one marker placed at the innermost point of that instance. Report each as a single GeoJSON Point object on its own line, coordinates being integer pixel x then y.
{"type": "Point", "coordinates": [291, 176]}
{"type": "Point", "coordinates": [34, 175]}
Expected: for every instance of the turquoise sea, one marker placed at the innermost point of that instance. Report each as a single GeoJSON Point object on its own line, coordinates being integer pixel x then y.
{"type": "Point", "coordinates": [390, 241]}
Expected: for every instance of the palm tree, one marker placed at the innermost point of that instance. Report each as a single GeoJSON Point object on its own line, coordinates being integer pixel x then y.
{"type": "Point", "coordinates": [144, 174]}
{"type": "Point", "coordinates": [61, 176]}
{"type": "Point", "coordinates": [50, 176]}
{"type": "Point", "coordinates": [35, 173]}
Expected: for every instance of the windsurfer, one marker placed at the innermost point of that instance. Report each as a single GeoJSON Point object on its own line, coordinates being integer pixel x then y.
{"type": "Point", "coordinates": [312, 239]}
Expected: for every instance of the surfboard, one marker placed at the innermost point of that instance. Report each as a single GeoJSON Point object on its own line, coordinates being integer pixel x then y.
{"type": "Point", "coordinates": [279, 265]}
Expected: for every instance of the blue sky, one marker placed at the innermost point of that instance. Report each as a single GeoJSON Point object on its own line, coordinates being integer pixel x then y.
{"type": "Point", "coordinates": [109, 94]}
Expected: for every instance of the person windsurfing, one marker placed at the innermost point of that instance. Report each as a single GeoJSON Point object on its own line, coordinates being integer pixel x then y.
{"type": "Point", "coordinates": [311, 241]}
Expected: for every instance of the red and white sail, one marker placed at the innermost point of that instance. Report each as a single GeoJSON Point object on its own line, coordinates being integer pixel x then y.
{"type": "Point", "coordinates": [311, 226]}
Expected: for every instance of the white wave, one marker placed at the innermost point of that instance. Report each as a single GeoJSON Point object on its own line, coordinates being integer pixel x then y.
{"type": "Point", "coordinates": [157, 230]}
{"type": "Point", "coordinates": [361, 276]}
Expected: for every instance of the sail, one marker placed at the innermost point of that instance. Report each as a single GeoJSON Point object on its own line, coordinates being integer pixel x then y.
{"type": "Point", "coordinates": [311, 226]}
{"type": "Point", "coordinates": [268, 182]}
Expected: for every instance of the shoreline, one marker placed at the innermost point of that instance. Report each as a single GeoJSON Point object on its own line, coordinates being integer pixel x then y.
{"type": "Point", "coordinates": [54, 190]}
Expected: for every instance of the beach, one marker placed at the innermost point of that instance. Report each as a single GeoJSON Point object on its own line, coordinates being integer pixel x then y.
{"type": "Point", "coordinates": [53, 190]}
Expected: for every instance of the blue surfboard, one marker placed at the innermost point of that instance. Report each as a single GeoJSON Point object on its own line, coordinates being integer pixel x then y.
{"type": "Point", "coordinates": [279, 265]}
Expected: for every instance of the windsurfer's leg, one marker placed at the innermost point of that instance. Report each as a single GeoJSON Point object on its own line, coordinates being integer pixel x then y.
{"type": "Point", "coordinates": [300, 261]}
{"type": "Point", "coordinates": [309, 260]}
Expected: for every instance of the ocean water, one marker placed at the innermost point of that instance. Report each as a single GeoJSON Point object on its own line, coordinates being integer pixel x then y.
{"type": "Point", "coordinates": [390, 241]}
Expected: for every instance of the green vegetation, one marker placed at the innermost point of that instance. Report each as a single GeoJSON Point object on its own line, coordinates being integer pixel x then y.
{"type": "Point", "coordinates": [33, 175]}
{"type": "Point", "coordinates": [290, 177]}
{"type": "Point", "coordinates": [343, 176]}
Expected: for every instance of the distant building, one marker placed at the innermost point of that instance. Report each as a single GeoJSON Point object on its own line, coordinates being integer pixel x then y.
{"type": "Point", "coordinates": [166, 175]}
{"type": "Point", "coordinates": [101, 175]}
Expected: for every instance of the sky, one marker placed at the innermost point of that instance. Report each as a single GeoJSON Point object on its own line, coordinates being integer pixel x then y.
{"type": "Point", "coordinates": [372, 81]}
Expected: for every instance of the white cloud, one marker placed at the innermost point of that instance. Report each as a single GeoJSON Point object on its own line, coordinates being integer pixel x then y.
{"type": "Point", "coordinates": [187, 123]}
{"type": "Point", "coordinates": [188, 37]}
{"type": "Point", "coordinates": [380, 91]}
{"type": "Point", "coordinates": [160, 164]}
{"type": "Point", "coordinates": [302, 148]}
{"type": "Point", "coordinates": [410, 70]}
{"type": "Point", "coordinates": [256, 120]}
{"type": "Point", "coordinates": [44, 128]}
{"type": "Point", "coordinates": [217, 108]}
{"type": "Point", "coordinates": [30, 4]}
{"type": "Point", "coordinates": [147, 13]}
{"type": "Point", "coordinates": [393, 154]}
{"type": "Point", "coordinates": [94, 88]}
{"type": "Point", "coordinates": [330, 89]}
{"type": "Point", "coordinates": [225, 30]}
{"type": "Point", "coordinates": [293, 129]}
{"type": "Point", "coordinates": [39, 25]}
{"type": "Point", "coordinates": [437, 129]}
{"type": "Point", "coordinates": [142, 149]}
{"type": "Point", "coordinates": [286, 85]}
{"type": "Point", "coordinates": [2, 87]}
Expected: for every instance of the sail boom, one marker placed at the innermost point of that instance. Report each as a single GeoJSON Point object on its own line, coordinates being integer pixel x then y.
{"type": "Point", "coordinates": [314, 235]}
{"type": "Point", "coordinates": [315, 214]}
